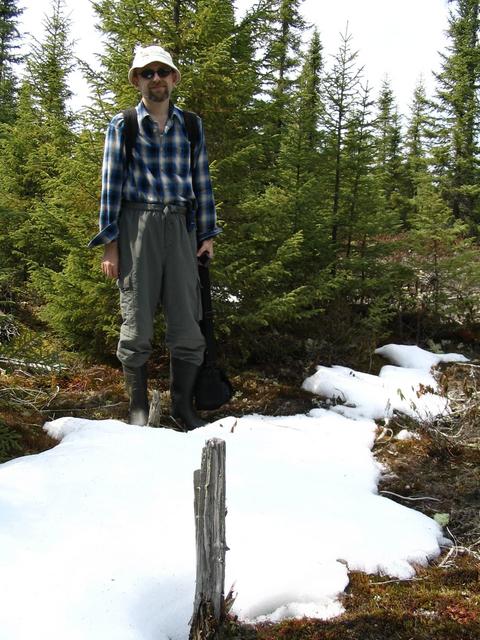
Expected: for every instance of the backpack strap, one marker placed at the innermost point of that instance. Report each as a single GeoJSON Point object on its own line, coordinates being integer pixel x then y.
{"type": "Point", "coordinates": [130, 130]}
{"type": "Point", "coordinates": [193, 133]}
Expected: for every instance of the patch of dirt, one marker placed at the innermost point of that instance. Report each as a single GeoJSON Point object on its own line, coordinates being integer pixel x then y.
{"type": "Point", "coordinates": [442, 464]}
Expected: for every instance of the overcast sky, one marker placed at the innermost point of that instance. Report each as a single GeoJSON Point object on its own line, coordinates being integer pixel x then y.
{"type": "Point", "coordinates": [395, 38]}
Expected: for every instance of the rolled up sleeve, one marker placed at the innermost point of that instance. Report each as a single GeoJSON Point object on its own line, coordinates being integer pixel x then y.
{"type": "Point", "coordinates": [112, 183]}
{"type": "Point", "coordinates": [206, 217]}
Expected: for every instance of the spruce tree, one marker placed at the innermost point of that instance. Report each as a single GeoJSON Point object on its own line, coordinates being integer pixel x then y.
{"type": "Point", "coordinates": [41, 137]}
{"type": "Point", "coordinates": [49, 64]}
{"type": "Point", "coordinates": [418, 143]}
{"type": "Point", "coordinates": [281, 64]}
{"type": "Point", "coordinates": [445, 263]}
{"type": "Point", "coordinates": [369, 230]}
{"type": "Point", "coordinates": [9, 212]}
{"type": "Point", "coordinates": [299, 156]}
{"type": "Point", "coordinates": [341, 90]}
{"type": "Point", "coordinates": [9, 56]}
{"type": "Point", "coordinates": [390, 170]}
{"type": "Point", "coordinates": [457, 102]}
{"type": "Point", "coordinates": [34, 152]}
{"type": "Point", "coordinates": [218, 79]}
{"type": "Point", "coordinates": [361, 197]}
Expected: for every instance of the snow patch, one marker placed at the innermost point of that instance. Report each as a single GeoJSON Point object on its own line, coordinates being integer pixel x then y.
{"type": "Point", "coordinates": [102, 524]}
{"type": "Point", "coordinates": [412, 357]}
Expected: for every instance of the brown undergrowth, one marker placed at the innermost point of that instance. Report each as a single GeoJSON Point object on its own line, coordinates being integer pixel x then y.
{"type": "Point", "coordinates": [436, 473]}
{"type": "Point", "coordinates": [28, 399]}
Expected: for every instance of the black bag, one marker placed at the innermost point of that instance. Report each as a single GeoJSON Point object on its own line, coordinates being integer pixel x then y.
{"type": "Point", "coordinates": [212, 389]}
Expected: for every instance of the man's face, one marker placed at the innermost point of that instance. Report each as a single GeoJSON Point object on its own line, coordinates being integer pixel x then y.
{"type": "Point", "coordinates": [155, 87]}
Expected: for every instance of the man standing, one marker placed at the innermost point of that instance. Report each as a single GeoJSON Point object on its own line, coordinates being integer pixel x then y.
{"type": "Point", "coordinates": [157, 217]}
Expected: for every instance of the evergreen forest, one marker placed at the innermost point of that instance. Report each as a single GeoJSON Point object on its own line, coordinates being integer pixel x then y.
{"type": "Point", "coordinates": [345, 222]}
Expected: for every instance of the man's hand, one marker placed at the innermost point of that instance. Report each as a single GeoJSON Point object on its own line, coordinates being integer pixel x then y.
{"type": "Point", "coordinates": [110, 260]}
{"type": "Point", "coordinates": [206, 246]}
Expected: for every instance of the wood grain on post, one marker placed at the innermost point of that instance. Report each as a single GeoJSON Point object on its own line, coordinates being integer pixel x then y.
{"type": "Point", "coordinates": [209, 484]}
{"type": "Point", "coordinates": [155, 414]}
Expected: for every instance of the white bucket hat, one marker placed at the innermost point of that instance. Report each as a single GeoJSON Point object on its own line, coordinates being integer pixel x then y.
{"type": "Point", "coordinates": [147, 55]}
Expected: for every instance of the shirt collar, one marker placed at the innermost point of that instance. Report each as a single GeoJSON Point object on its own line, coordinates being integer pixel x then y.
{"type": "Point", "coordinates": [173, 111]}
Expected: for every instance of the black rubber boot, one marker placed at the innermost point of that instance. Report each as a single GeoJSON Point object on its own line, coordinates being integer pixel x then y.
{"type": "Point", "coordinates": [183, 375]}
{"type": "Point", "coordinates": [136, 385]}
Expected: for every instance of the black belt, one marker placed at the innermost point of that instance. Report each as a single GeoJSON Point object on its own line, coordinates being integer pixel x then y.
{"type": "Point", "coordinates": [156, 206]}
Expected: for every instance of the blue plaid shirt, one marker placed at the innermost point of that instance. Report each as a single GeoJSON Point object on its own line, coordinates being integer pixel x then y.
{"type": "Point", "coordinates": [160, 172]}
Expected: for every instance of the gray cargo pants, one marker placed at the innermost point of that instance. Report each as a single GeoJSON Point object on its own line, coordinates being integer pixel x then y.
{"type": "Point", "coordinates": [158, 266]}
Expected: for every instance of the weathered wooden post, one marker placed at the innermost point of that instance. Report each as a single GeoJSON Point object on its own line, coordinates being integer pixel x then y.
{"type": "Point", "coordinates": [209, 504]}
{"type": "Point", "coordinates": [155, 414]}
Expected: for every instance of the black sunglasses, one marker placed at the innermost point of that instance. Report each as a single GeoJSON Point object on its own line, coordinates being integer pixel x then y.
{"type": "Point", "coordinates": [162, 72]}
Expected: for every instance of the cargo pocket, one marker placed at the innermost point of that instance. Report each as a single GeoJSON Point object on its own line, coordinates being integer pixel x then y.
{"type": "Point", "coordinates": [126, 298]}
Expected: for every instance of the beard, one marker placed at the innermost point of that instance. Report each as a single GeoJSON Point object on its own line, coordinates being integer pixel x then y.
{"type": "Point", "coordinates": [158, 94]}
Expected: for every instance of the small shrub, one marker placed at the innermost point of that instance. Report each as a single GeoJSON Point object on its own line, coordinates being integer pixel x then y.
{"type": "Point", "coordinates": [10, 443]}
